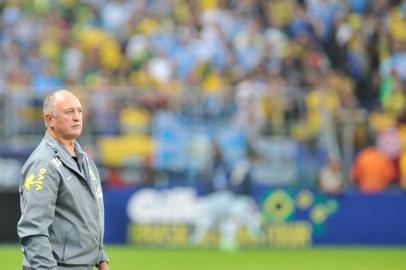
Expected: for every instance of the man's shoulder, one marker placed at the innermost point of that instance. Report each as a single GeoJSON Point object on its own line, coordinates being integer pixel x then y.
{"type": "Point", "coordinates": [41, 154]}
{"type": "Point", "coordinates": [43, 150]}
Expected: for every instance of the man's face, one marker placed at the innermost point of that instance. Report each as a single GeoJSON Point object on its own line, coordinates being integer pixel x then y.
{"type": "Point", "coordinates": [66, 120]}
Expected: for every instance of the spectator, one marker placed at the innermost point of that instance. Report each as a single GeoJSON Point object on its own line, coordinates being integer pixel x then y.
{"type": "Point", "coordinates": [331, 179]}
{"type": "Point", "coordinates": [373, 171]}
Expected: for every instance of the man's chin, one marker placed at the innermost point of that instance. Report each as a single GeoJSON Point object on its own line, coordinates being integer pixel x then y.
{"type": "Point", "coordinates": [74, 134]}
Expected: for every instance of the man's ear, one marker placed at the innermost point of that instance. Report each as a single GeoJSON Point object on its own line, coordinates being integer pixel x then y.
{"type": "Point", "coordinates": [49, 120]}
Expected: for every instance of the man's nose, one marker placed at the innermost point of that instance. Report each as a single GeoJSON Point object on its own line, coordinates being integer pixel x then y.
{"type": "Point", "coordinates": [77, 116]}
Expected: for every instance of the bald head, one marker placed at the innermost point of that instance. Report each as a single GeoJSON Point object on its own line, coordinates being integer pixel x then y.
{"type": "Point", "coordinates": [49, 101]}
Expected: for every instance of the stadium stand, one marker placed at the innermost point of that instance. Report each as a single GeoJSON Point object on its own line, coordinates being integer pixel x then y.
{"type": "Point", "coordinates": [303, 83]}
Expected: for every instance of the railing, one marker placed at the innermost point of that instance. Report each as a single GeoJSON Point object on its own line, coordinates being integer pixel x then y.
{"type": "Point", "coordinates": [278, 113]}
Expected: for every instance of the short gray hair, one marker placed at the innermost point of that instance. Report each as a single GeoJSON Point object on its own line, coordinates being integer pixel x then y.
{"type": "Point", "coordinates": [49, 106]}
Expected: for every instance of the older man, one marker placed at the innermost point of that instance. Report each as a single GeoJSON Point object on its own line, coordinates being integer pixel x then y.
{"type": "Point", "coordinates": [62, 213]}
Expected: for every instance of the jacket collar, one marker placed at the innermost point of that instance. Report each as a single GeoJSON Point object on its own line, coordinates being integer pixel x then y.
{"type": "Point", "coordinates": [62, 153]}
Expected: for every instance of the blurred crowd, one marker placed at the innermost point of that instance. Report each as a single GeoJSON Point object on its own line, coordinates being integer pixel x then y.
{"type": "Point", "coordinates": [324, 70]}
